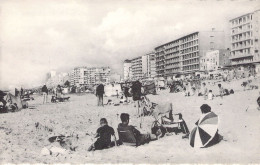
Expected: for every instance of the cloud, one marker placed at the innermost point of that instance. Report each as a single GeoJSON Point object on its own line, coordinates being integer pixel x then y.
{"type": "Point", "coordinates": [39, 36]}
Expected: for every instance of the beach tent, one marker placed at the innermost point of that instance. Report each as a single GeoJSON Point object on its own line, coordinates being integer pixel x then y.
{"type": "Point", "coordinates": [14, 100]}
{"type": "Point", "coordinates": [112, 90]}
{"type": "Point", "coordinates": [205, 131]}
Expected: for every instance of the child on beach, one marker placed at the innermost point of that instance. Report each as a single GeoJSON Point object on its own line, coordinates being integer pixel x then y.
{"type": "Point", "coordinates": [210, 95]}
{"type": "Point", "coordinates": [103, 134]}
{"type": "Point", "coordinates": [205, 91]}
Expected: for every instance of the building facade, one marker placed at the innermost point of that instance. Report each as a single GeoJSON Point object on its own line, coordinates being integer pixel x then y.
{"type": "Point", "coordinates": [89, 76]}
{"type": "Point", "coordinates": [183, 54]}
{"type": "Point", "coordinates": [148, 65]}
{"type": "Point", "coordinates": [214, 60]}
{"type": "Point", "coordinates": [245, 44]}
{"type": "Point", "coordinates": [127, 69]}
{"type": "Point", "coordinates": [136, 65]}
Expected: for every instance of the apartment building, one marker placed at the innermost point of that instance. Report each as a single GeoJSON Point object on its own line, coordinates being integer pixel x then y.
{"type": "Point", "coordinates": [245, 44]}
{"type": "Point", "coordinates": [136, 65]}
{"type": "Point", "coordinates": [183, 54]}
{"type": "Point", "coordinates": [214, 60]}
{"type": "Point", "coordinates": [89, 75]}
{"type": "Point", "coordinates": [148, 65]}
{"type": "Point", "coordinates": [127, 70]}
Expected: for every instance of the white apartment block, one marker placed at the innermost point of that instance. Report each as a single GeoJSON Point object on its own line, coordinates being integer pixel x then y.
{"type": "Point", "coordinates": [214, 60]}
{"type": "Point", "coordinates": [127, 70]}
{"type": "Point", "coordinates": [183, 55]}
{"type": "Point", "coordinates": [89, 76]}
{"type": "Point", "coordinates": [245, 44]}
{"type": "Point", "coordinates": [148, 65]}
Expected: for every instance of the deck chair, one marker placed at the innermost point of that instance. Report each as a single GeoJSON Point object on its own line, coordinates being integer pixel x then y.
{"type": "Point", "coordinates": [127, 137]}
{"type": "Point", "coordinates": [147, 106]}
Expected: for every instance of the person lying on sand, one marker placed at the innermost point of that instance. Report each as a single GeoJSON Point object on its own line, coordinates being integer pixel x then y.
{"type": "Point", "coordinates": [103, 134]}
{"type": "Point", "coordinates": [140, 138]}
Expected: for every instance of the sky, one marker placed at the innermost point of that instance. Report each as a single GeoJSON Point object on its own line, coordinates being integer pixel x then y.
{"type": "Point", "coordinates": [37, 36]}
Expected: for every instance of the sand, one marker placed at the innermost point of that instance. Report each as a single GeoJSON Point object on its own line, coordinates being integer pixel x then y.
{"type": "Point", "coordinates": [239, 125]}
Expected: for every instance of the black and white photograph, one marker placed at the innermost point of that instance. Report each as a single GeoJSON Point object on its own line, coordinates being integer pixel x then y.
{"type": "Point", "coordinates": [129, 82]}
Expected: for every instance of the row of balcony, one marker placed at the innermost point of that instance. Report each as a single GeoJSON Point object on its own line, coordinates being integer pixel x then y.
{"type": "Point", "coordinates": [240, 56]}
{"type": "Point", "coordinates": [241, 47]}
{"type": "Point", "coordinates": [235, 32]}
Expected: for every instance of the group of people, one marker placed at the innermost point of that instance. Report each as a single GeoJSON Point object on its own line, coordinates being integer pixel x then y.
{"type": "Point", "coordinates": [136, 92]}
{"type": "Point", "coordinates": [56, 91]}
{"type": "Point", "coordinates": [105, 132]}
{"type": "Point", "coordinates": [129, 134]}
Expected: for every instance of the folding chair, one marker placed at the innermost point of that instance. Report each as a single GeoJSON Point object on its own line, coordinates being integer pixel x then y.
{"type": "Point", "coordinates": [127, 137]}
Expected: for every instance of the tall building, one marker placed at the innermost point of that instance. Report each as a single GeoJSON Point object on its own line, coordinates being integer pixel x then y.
{"type": "Point", "coordinates": [245, 44]}
{"type": "Point", "coordinates": [183, 54]}
{"type": "Point", "coordinates": [137, 68]}
{"type": "Point", "coordinates": [214, 60]}
{"type": "Point", "coordinates": [140, 67]}
{"type": "Point", "coordinates": [127, 69]}
{"type": "Point", "coordinates": [148, 65]}
{"type": "Point", "coordinates": [89, 75]}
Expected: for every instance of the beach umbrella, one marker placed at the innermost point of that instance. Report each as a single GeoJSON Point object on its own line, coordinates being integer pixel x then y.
{"type": "Point", "coordinates": [205, 130]}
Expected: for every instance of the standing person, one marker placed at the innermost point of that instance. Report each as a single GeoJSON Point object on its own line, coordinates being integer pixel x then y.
{"type": "Point", "coordinates": [99, 93]}
{"type": "Point", "coordinates": [16, 92]}
{"type": "Point", "coordinates": [44, 93]}
{"type": "Point", "coordinates": [205, 91]}
{"type": "Point", "coordinates": [58, 92]}
{"type": "Point", "coordinates": [126, 92]}
{"type": "Point", "coordinates": [136, 90]}
{"type": "Point", "coordinates": [221, 90]}
{"type": "Point", "coordinates": [21, 91]}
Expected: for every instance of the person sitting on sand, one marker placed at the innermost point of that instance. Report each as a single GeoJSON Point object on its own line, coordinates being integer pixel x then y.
{"type": "Point", "coordinates": [205, 109]}
{"type": "Point", "coordinates": [103, 134]}
{"type": "Point", "coordinates": [140, 138]}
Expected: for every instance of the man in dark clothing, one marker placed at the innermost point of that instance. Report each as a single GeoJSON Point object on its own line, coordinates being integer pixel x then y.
{"type": "Point", "coordinates": [21, 91]}
{"type": "Point", "coordinates": [104, 134]}
{"type": "Point", "coordinates": [140, 138]}
{"type": "Point", "coordinates": [16, 92]}
{"type": "Point", "coordinates": [136, 90]}
{"type": "Point", "coordinates": [99, 93]}
{"type": "Point", "coordinates": [44, 93]}
{"type": "Point", "coordinates": [126, 92]}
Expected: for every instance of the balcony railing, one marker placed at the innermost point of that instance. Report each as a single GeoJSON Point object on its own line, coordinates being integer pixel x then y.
{"type": "Point", "coordinates": [240, 56]}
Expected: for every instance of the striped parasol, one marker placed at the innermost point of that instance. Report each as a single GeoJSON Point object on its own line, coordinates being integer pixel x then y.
{"type": "Point", "coordinates": [205, 130]}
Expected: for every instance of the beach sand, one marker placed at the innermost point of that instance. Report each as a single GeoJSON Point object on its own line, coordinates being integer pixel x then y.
{"type": "Point", "coordinates": [239, 125]}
